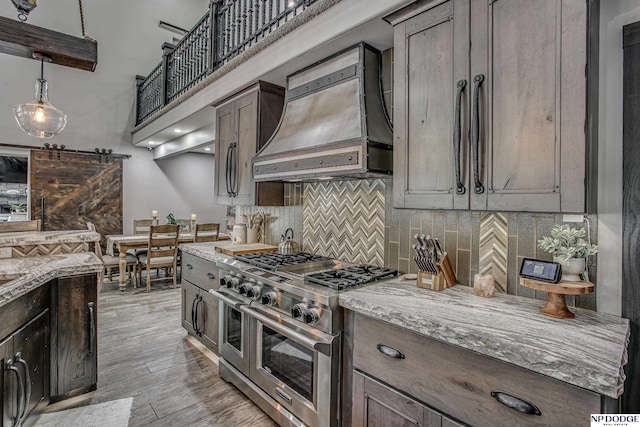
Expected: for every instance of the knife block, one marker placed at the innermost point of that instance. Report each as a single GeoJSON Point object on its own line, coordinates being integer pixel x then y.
{"type": "Point", "coordinates": [446, 278]}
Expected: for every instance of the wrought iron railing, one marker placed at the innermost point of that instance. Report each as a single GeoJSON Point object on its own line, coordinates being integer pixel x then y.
{"type": "Point", "coordinates": [227, 29]}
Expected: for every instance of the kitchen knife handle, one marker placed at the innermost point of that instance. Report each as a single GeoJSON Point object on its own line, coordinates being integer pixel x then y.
{"type": "Point", "coordinates": [460, 189]}
{"type": "Point", "coordinates": [516, 403]}
{"type": "Point", "coordinates": [475, 133]}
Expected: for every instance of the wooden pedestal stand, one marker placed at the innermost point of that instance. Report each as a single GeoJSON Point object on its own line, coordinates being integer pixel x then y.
{"type": "Point", "coordinates": [556, 304]}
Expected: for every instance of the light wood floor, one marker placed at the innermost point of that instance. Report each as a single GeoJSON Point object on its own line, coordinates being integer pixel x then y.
{"type": "Point", "coordinates": [144, 353]}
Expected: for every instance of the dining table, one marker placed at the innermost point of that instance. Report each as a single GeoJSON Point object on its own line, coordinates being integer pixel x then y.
{"type": "Point", "coordinates": [122, 243]}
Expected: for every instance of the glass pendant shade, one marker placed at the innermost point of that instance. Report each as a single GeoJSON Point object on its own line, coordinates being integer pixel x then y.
{"type": "Point", "coordinates": [39, 117]}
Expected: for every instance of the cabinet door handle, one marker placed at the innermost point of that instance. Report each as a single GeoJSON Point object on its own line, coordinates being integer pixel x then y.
{"type": "Point", "coordinates": [211, 276]}
{"type": "Point", "coordinates": [27, 381]}
{"type": "Point", "coordinates": [92, 328]}
{"type": "Point", "coordinates": [189, 267]}
{"type": "Point", "coordinates": [227, 171]}
{"type": "Point", "coordinates": [193, 314]}
{"type": "Point", "coordinates": [234, 170]}
{"type": "Point", "coordinates": [516, 403]}
{"type": "Point", "coordinates": [460, 188]}
{"type": "Point", "coordinates": [20, 396]}
{"type": "Point", "coordinates": [475, 133]}
{"type": "Point", "coordinates": [390, 351]}
{"type": "Point", "coordinates": [198, 311]}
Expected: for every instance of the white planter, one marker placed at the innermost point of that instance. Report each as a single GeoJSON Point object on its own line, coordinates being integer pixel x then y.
{"type": "Point", "coordinates": [572, 269]}
{"type": "Point", "coordinates": [252, 235]}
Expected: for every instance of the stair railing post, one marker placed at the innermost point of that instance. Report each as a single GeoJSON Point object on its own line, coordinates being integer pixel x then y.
{"type": "Point", "coordinates": [213, 31]}
{"type": "Point", "coordinates": [139, 81]}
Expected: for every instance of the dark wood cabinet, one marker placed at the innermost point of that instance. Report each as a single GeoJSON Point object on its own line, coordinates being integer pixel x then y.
{"type": "Point", "coordinates": [25, 375]}
{"type": "Point", "coordinates": [200, 308]}
{"type": "Point", "coordinates": [244, 123]}
{"type": "Point", "coordinates": [75, 324]}
{"type": "Point", "coordinates": [490, 105]}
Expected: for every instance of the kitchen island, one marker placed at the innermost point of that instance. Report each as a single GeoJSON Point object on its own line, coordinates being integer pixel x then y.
{"type": "Point", "coordinates": [48, 320]}
{"type": "Point", "coordinates": [472, 349]}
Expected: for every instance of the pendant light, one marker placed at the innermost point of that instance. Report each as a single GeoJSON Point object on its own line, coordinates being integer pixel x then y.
{"type": "Point", "coordinates": [39, 117]}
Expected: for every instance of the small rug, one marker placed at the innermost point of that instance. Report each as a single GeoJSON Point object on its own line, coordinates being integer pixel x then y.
{"type": "Point", "coordinates": [108, 414]}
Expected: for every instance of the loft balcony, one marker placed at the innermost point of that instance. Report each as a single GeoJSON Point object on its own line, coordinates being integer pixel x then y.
{"type": "Point", "coordinates": [236, 43]}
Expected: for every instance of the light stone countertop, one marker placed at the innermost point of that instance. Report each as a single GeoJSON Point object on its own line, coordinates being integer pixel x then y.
{"type": "Point", "coordinates": [206, 250]}
{"type": "Point", "coordinates": [588, 351]}
{"type": "Point", "coordinates": [30, 272]}
{"type": "Point", "coordinates": [29, 238]}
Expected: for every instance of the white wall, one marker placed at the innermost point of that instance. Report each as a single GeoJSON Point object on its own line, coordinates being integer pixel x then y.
{"type": "Point", "coordinates": [100, 105]}
{"type": "Point", "coordinates": [614, 14]}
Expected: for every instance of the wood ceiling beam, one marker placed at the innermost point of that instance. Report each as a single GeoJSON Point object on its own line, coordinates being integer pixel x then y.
{"type": "Point", "coordinates": [22, 39]}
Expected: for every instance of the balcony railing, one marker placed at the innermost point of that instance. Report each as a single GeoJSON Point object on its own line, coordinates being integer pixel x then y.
{"type": "Point", "coordinates": [227, 29]}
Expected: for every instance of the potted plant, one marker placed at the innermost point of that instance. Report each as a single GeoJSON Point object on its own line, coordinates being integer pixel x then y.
{"type": "Point", "coordinates": [569, 248]}
{"type": "Point", "coordinates": [18, 208]}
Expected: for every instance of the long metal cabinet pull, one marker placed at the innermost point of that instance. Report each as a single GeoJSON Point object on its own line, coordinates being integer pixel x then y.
{"type": "Point", "coordinates": [200, 301]}
{"type": "Point", "coordinates": [227, 171]}
{"type": "Point", "coordinates": [475, 133]}
{"type": "Point", "coordinates": [460, 188]}
{"type": "Point", "coordinates": [92, 328]}
{"type": "Point", "coordinates": [20, 397]}
{"type": "Point", "coordinates": [193, 314]}
{"type": "Point", "coordinates": [234, 169]}
{"type": "Point", "coordinates": [27, 380]}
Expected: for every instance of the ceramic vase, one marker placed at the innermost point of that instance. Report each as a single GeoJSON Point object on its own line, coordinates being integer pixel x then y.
{"type": "Point", "coordinates": [252, 235]}
{"type": "Point", "coordinates": [572, 269]}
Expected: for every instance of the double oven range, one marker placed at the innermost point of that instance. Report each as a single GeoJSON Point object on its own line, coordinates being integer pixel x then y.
{"type": "Point", "coordinates": [281, 331]}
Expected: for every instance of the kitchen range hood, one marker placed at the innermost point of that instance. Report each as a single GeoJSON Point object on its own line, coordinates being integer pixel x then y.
{"type": "Point", "coordinates": [334, 124]}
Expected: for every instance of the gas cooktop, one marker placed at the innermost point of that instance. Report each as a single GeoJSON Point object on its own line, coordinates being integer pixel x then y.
{"type": "Point", "coordinates": [273, 260]}
{"type": "Point", "coordinates": [350, 276]}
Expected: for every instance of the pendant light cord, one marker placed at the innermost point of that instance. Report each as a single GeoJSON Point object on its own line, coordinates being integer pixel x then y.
{"type": "Point", "coordinates": [41, 68]}
{"type": "Point", "coordinates": [86, 37]}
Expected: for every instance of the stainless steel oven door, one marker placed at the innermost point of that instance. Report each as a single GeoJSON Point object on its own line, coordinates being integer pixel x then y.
{"type": "Point", "coordinates": [234, 331]}
{"type": "Point", "coordinates": [297, 365]}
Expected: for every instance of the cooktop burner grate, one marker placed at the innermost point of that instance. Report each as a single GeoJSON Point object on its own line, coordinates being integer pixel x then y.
{"type": "Point", "coordinates": [272, 260]}
{"type": "Point", "coordinates": [350, 276]}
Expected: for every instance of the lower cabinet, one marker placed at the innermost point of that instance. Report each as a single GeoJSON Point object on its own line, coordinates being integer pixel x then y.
{"type": "Point", "coordinates": [401, 378]}
{"type": "Point", "coordinates": [75, 361]}
{"type": "Point", "coordinates": [25, 374]}
{"type": "Point", "coordinates": [200, 314]}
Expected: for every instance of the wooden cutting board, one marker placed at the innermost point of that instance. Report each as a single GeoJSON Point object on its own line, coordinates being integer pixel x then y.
{"type": "Point", "coordinates": [233, 250]}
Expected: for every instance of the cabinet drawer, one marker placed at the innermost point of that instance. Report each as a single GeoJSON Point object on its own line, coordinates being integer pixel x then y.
{"type": "Point", "coordinates": [459, 382]}
{"type": "Point", "coordinates": [25, 308]}
{"type": "Point", "coordinates": [200, 272]}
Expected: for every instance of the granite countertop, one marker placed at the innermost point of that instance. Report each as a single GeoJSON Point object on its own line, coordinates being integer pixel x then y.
{"type": "Point", "coordinates": [588, 351]}
{"type": "Point", "coordinates": [30, 272]}
{"type": "Point", "coordinates": [206, 250]}
{"type": "Point", "coordinates": [29, 238]}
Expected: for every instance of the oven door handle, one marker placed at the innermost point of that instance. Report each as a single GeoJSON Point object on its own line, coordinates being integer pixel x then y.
{"type": "Point", "coordinates": [226, 299]}
{"type": "Point", "coordinates": [321, 346]}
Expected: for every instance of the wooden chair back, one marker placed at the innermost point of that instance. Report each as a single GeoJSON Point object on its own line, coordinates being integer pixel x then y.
{"type": "Point", "coordinates": [141, 226]}
{"type": "Point", "coordinates": [185, 225]}
{"type": "Point", "coordinates": [97, 248]}
{"type": "Point", "coordinates": [163, 241]}
{"type": "Point", "coordinates": [212, 230]}
{"type": "Point", "coordinates": [13, 226]}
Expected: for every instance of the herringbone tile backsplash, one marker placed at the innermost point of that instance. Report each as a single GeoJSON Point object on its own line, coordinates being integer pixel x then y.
{"type": "Point", "coordinates": [345, 220]}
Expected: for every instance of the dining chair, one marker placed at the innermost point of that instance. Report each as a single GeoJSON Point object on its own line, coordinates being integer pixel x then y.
{"type": "Point", "coordinates": [162, 252]}
{"type": "Point", "coordinates": [185, 225]}
{"type": "Point", "coordinates": [212, 232]}
{"type": "Point", "coordinates": [113, 262]}
{"type": "Point", "coordinates": [141, 226]}
{"type": "Point", "coordinates": [13, 226]}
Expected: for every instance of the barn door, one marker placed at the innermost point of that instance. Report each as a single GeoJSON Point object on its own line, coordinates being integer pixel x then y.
{"type": "Point", "coordinates": [69, 189]}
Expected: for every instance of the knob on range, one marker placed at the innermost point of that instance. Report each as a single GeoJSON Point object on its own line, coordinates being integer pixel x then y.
{"type": "Point", "coordinates": [254, 292]}
{"type": "Point", "coordinates": [269, 298]}
{"type": "Point", "coordinates": [298, 311]}
{"type": "Point", "coordinates": [244, 287]}
{"type": "Point", "coordinates": [311, 316]}
{"type": "Point", "coordinates": [230, 281]}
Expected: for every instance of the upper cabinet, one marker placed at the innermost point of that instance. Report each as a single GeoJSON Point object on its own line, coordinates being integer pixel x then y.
{"type": "Point", "coordinates": [490, 105]}
{"type": "Point", "coordinates": [244, 123]}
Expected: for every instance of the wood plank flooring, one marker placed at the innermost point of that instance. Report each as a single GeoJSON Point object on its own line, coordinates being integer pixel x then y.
{"type": "Point", "coordinates": [145, 353]}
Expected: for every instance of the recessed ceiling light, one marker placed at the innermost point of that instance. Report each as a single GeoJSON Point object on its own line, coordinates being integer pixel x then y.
{"type": "Point", "coordinates": [292, 3]}
{"type": "Point", "coordinates": [176, 130]}
{"type": "Point", "coordinates": [207, 149]}
{"type": "Point", "coordinates": [152, 142]}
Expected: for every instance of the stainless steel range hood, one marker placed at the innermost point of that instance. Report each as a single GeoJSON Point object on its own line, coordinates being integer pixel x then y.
{"type": "Point", "coordinates": [334, 124]}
